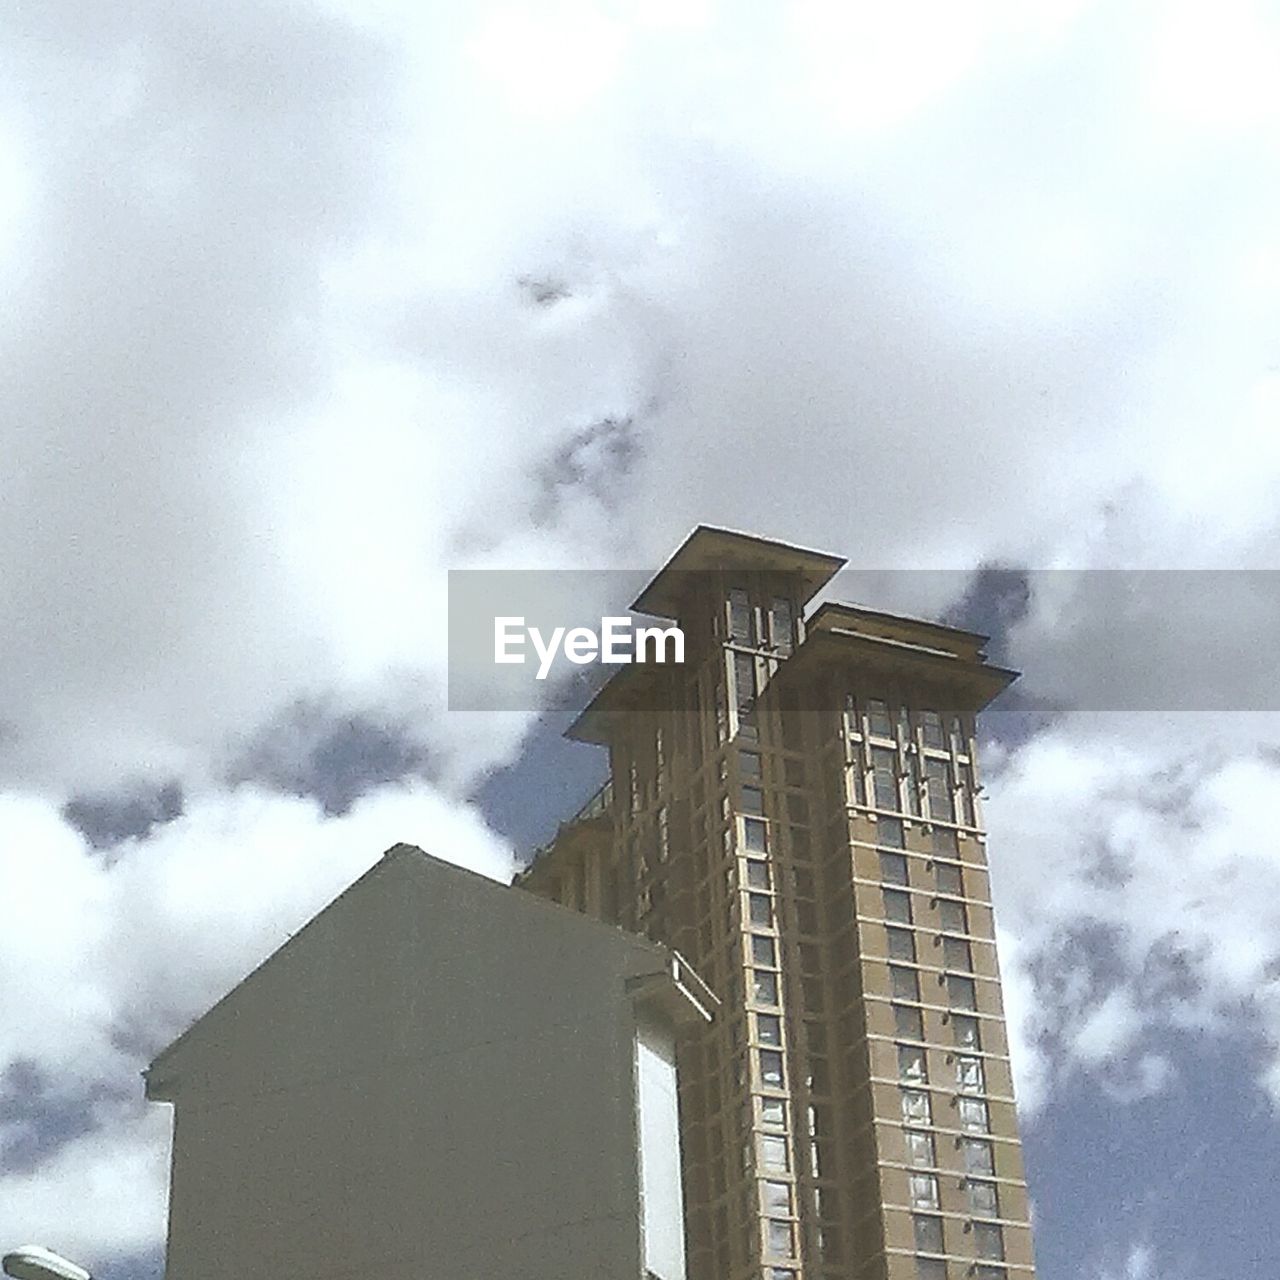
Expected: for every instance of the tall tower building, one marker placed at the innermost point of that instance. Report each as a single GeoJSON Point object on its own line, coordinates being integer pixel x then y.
{"type": "Point", "coordinates": [795, 809]}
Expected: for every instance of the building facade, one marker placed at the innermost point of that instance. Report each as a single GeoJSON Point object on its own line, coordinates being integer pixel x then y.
{"type": "Point", "coordinates": [438, 1076]}
{"type": "Point", "coordinates": [797, 810]}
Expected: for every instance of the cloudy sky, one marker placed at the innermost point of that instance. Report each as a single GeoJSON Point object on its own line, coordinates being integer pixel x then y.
{"type": "Point", "coordinates": [308, 304]}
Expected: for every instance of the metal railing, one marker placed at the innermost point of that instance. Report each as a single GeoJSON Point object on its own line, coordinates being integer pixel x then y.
{"type": "Point", "coordinates": [596, 807]}
{"type": "Point", "coordinates": [599, 803]}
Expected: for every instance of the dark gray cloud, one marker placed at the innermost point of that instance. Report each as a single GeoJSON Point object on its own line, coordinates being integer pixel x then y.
{"type": "Point", "coordinates": [993, 296]}
{"type": "Point", "coordinates": [996, 599]}
{"type": "Point", "coordinates": [107, 819]}
{"type": "Point", "coordinates": [37, 1118]}
{"type": "Point", "coordinates": [544, 291]}
{"type": "Point", "coordinates": [594, 462]}
{"type": "Point", "coordinates": [140, 1266]}
{"type": "Point", "coordinates": [335, 759]}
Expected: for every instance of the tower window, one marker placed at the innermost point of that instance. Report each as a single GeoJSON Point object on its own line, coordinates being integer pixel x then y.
{"type": "Point", "coordinates": [773, 1112]}
{"type": "Point", "coordinates": [893, 868]}
{"type": "Point", "coordinates": [902, 945]}
{"type": "Point", "coordinates": [956, 953]}
{"type": "Point", "coordinates": [945, 841]}
{"type": "Point", "coordinates": [907, 1022]}
{"type": "Point", "coordinates": [744, 677]}
{"type": "Point", "coordinates": [973, 1115]}
{"type": "Point", "coordinates": [911, 1064]}
{"type": "Point", "coordinates": [770, 1067]}
{"type": "Point", "coordinates": [952, 915]}
{"type": "Point", "coordinates": [920, 1150]}
{"type": "Point", "coordinates": [780, 624]}
{"type": "Point", "coordinates": [853, 783]}
{"type": "Point", "coordinates": [915, 1108]}
{"type": "Point", "coordinates": [764, 986]}
{"type": "Point", "coordinates": [776, 1197]}
{"type": "Point", "coordinates": [978, 1157]}
{"type": "Point", "coordinates": [924, 1191]}
{"type": "Point", "coordinates": [969, 1074]}
{"type": "Point", "coordinates": [897, 906]}
{"type": "Point", "coordinates": [948, 878]}
{"type": "Point", "coordinates": [938, 780]}
{"type": "Point", "coordinates": [913, 786]}
{"type": "Point", "coordinates": [903, 983]}
{"type": "Point", "coordinates": [778, 1238]}
{"type": "Point", "coordinates": [928, 1231]}
{"type": "Point", "coordinates": [884, 777]}
{"type": "Point", "coordinates": [740, 628]}
{"type": "Point", "coordinates": [889, 832]}
{"type": "Point", "coordinates": [769, 1028]}
{"type": "Point", "coordinates": [878, 722]}
{"type": "Point", "coordinates": [773, 1153]}
{"type": "Point", "coordinates": [984, 1200]}
{"type": "Point", "coordinates": [989, 1239]}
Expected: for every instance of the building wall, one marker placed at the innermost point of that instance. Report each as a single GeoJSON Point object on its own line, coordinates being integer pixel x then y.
{"type": "Point", "coordinates": [436, 1077]}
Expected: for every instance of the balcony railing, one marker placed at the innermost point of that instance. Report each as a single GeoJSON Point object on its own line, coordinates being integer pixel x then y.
{"type": "Point", "coordinates": [596, 807]}
{"type": "Point", "coordinates": [599, 803]}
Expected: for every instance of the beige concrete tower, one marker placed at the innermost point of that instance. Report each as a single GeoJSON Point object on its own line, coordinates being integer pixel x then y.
{"type": "Point", "coordinates": [795, 810]}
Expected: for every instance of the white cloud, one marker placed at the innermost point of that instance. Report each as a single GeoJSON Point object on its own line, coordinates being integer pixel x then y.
{"type": "Point", "coordinates": [274, 370]}
{"type": "Point", "coordinates": [1137, 879]}
{"type": "Point", "coordinates": [553, 62]}
{"type": "Point", "coordinates": [1217, 70]}
{"type": "Point", "coordinates": [1107, 1030]}
{"type": "Point", "coordinates": [103, 960]}
{"type": "Point", "coordinates": [1141, 1259]}
{"type": "Point", "coordinates": [1138, 1264]}
{"type": "Point", "coordinates": [306, 309]}
{"type": "Point", "coordinates": [102, 1195]}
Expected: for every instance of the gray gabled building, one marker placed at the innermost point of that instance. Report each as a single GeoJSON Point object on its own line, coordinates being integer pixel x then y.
{"type": "Point", "coordinates": [438, 1076]}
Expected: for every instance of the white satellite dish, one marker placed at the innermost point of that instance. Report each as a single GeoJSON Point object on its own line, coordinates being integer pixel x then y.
{"type": "Point", "coordinates": [32, 1262]}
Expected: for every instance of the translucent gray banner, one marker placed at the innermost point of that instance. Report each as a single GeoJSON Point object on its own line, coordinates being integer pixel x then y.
{"type": "Point", "coordinates": [1096, 640]}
